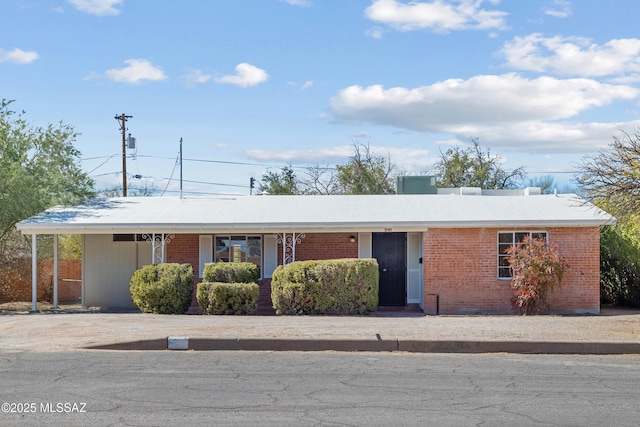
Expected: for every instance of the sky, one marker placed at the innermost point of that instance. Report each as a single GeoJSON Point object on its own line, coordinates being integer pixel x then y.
{"type": "Point", "coordinates": [251, 86]}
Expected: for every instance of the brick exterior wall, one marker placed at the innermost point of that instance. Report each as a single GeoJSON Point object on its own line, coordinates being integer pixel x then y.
{"type": "Point", "coordinates": [461, 266]}
{"type": "Point", "coordinates": [185, 249]}
{"type": "Point", "coordinates": [15, 283]}
{"type": "Point", "coordinates": [324, 246]}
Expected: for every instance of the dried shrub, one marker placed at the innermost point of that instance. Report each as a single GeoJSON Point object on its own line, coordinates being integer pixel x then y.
{"type": "Point", "coordinates": [537, 268]}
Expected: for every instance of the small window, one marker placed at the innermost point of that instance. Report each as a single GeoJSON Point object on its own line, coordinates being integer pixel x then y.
{"type": "Point", "coordinates": [509, 239]}
{"type": "Point", "coordinates": [124, 237]}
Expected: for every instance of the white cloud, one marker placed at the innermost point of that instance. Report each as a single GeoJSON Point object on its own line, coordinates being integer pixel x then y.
{"type": "Point", "coordinates": [98, 7]}
{"type": "Point", "coordinates": [18, 56]}
{"type": "Point", "coordinates": [331, 155]}
{"type": "Point", "coordinates": [136, 71]}
{"type": "Point", "coordinates": [437, 15]}
{"type": "Point", "coordinates": [407, 157]}
{"type": "Point", "coordinates": [558, 9]}
{"type": "Point", "coordinates": [375, 32]}
{"type": "Point", "coordinates": [195, 76]}
{"type": "Point", "coordinates": [572, 55]}
{"type": "Point", "coordinates": [246, 75]}
{"type": "Point", "coordinates": [307, 84]}
{"type": "Point", "coordinates": [508, 105]}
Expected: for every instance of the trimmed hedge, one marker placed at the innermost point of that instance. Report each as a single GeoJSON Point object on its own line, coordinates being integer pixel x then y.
{"type": "Point", "coordinates": [227, 298]}
{"type": "Point", "coordinates": [231, 272]}
{"type": "Point", "coordinates": [343, 286]}
{"type": "Point", "coordinates": [162, 288]}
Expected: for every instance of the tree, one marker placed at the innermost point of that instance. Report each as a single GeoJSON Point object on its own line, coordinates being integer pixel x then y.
{"type": "Point", "coordinates": [38, 168]}
{"type": "Point", "coordinates": [320, 180]}
{"type": "Point", "coordinates": [537, 269]}
{"type": "Point", "coordinates": [283, 183]}
{"type": "Point", "coordinates": [619, 265]}
{"type": "Point", "coordinates": [611, 180]}
{"type": "Point", "coordinates": [145, 188]}
{"type": "Point", "coordinates": [366, 173]}
{"type": "Point", "coordinates": [545, 183]}
{"type": "Point", "coordinates": [473, 167]}
{"type": "Point", "coordinates": [613, 175]}
{"type": "Point", "coordinates": [70, 246]}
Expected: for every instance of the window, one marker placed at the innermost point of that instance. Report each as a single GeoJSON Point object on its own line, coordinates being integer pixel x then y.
{"type": "Point", "coordinates": [239, 249]}
{"type": "Point", "coordinates": [507, 240]}
{"type": "Point", "coordinates": [124, 237]}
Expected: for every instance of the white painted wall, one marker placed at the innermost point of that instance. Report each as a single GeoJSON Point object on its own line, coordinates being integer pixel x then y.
{"type": "Point", "coordinates": [108, 267]}
{"type": "Point", "coordinates": [415, 285]}
{"type": "Point", "coordinates": [205, 252]}
{"type": "Point", "coordinates": [270, 260]}
{"type": "Point", "coordinates": [364, 245]}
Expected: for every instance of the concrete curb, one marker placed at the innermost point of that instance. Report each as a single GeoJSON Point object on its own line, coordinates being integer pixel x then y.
{"type": "Point", "coordinates": [411, 346]}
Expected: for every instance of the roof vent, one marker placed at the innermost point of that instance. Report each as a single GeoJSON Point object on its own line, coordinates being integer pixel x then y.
{"type": "Point", "coordinates": [532, 191]}
{"type": "Point", "coordinates": [470, 191]}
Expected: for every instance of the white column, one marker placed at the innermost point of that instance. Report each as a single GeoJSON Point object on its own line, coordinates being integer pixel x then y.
{"type": "Point", "coordinates": [153, 248]}
{"type": "Point", "coordinates": [34, 274]}
{"type": "Point", "coordinates": [293, 247]}
{"type": "Point", "coordinates": [162, 247]}
{"type": "Point", "coordinates": [284, 248]}
{"type": "Point", "coordinates": [55, 271]}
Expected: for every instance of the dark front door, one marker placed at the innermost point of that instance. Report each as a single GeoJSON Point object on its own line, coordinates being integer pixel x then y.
{"type": "Point", "coordinates": [390, 249]}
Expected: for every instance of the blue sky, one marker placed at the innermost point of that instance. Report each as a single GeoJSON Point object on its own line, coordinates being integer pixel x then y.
{"type": "Point", "coordinates": [256, 84]}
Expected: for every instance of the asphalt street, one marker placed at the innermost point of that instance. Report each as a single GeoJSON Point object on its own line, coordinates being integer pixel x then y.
{"type": "Point", "coordinates": [153, 388]}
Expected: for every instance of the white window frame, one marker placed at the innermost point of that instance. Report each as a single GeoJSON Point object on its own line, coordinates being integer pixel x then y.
{"type": "Point", "coordinates": [501, 246]}
{"type": "Point", "coordinates": [229, 237]}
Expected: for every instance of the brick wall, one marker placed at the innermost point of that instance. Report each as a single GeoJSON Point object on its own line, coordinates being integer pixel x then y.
{"type": "Point", "coordinates": [461, 266]}
{"type": "Point", "coordinates": [580, 290]}
{"type": "Point", "coordinates": [15, 280]}
{"type": "Point", "coordinates": [324, 246]}
{"type": "Point", "coordinates": [185, 249]}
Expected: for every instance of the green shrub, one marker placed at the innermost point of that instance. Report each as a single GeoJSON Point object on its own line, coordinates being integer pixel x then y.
{"type": "Point", "coordinates": [227, 298]}
{"type": "Point", "coordinates": [344, 286]}
{"type": "Point", "coordinates": [231, 272]}
{"type": "Point", "coordinates": [162, 288]}
{"type": "Point", "coordinates": [619, 268]}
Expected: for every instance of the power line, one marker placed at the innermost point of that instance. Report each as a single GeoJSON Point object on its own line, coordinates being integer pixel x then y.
{"type": "Point", "coordinates": [98, 157]}
{"type": "Point", "coordinates": [225, 162]}
{"type": "Point", "coordinates": [102, 164]}
{"type": "Point", "coordinates": [217, 183]}
{"type": "Point", "coordinates": [171, 177]}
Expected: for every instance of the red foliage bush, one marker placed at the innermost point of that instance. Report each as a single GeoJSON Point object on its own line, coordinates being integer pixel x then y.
{"type": "Point", "coordinates": [537, 268]}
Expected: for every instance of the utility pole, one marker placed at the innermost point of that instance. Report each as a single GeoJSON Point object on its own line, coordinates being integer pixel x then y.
{"type": "Point", "coordinates": [123, 128]}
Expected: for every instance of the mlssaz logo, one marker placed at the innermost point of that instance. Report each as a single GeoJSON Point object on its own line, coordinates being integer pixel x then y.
{"type": "Point", "coordinates": [59, 407]}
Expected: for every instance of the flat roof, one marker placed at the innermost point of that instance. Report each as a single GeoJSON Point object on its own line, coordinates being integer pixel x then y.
{"type": "Point", "coordinates": [334, 213]}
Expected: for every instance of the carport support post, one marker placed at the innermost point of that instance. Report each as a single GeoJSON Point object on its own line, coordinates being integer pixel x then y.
{"type": "Point", "coordinates": [34, 274]}
{"type": "Point", "coordinates": [55, 271]}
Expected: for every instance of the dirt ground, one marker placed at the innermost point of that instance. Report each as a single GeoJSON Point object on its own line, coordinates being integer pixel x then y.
{"type": "Point", "coordinates": [74, 327]}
